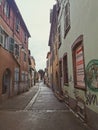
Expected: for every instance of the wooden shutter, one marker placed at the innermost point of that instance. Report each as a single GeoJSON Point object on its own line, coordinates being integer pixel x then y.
{"type": "Point", "coordinates": [11, 44]}
{"type": "Point", "coordinates": [1, 37]}
{"type": "Point", "coordinates": [67, 19]}
{"type": "Point", "coordinates": [16, 49]}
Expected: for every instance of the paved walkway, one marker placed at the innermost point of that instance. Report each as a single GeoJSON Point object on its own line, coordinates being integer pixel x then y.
{"type": "Point", "coordinates": [19, 102]}
{"type": "Point", "coordinates": [43, 112]}
{"type": "Point", "coordinates": [46, 101]}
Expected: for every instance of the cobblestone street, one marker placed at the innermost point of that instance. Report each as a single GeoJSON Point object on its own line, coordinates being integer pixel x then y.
{"type": "Point", "coordinates": [40, 111]}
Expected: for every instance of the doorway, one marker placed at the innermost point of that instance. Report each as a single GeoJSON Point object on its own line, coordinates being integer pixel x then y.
{"type": "Point", "coordinates": [6, 82]}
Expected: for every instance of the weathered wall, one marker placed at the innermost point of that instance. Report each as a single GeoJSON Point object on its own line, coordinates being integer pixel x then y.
{"type": "Point", "coordinates": [83, 22]}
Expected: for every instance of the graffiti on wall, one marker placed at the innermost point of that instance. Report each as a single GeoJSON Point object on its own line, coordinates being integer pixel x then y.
{"type": "Point", "coordinates": [92, 82]}
{"type": "Point", "coordinates": [92, 75]}
{"type": "Point", "coordinates": [91, 99]}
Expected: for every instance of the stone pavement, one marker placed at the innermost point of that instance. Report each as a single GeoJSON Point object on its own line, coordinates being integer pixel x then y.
{"type": "Point", "coordinates": [43, 112]}
{"type": "Point", "coordinates": [19, 102]}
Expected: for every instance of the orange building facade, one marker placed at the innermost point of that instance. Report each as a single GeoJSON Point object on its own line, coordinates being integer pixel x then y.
{"type": "Point", "coordinates": [13, 50]}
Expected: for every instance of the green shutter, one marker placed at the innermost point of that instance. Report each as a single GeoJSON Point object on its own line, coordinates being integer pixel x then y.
{"type": "Point", "coordinates": [11, 44]}
{"type": "Point", "coordinates": [16, 49]}
{"type": "Point", "coordinates": [1, 39]}
{"type": "Point", "coordinates": [1, 36]}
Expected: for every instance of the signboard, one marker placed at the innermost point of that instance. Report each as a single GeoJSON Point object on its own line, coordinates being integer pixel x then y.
{"type": "Point", "coordinates": [80, 67]}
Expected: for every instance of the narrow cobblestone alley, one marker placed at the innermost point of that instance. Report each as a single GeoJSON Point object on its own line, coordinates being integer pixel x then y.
{"type": "Point", "coordinates": [42, 112]}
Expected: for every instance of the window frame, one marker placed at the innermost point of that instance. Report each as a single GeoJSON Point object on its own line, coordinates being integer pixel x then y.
{"type": "Point", "coordinates": [59, 36]}
{"type": "Point", "coordinates": [65, 69]}
{"type": "Point", "coordinates": [22, 76]}
{"type": "Point", "coordinates": [6, 44]}
{"type": "Point", "coordinates": [78, 43]}
{"type": "Point", "coordinates": [67, 25]}
{"type": "Point", "coordinates": [60, 67]}
{"type": "Point", "coordinates": [6, 9]}
{"type": "Point", "coordinates": [16, 50]}
{"type": "Point", "coordinates": [1, 37]}
{"type": "Point", "coordinates": [17, 24]}
{"type": "Point", "coordinates": [25, 56]}
{"type": "Point", "coordinates": [25, 37]}
{"type": "Point", "coordinates": [16, 74]}
{"type": "Point", "coordinates": [11, 44]}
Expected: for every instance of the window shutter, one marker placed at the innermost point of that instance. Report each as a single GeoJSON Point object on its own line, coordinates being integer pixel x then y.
{"type": "Point", "coordinates": [16, 50]}
{"type": "Point", "coordinates": [7, 9]}
{"type": "Point", "coordinates": [17, 24]}
{"type": "Point", "coordinates": [67, 19]}
{"type": "Point", "coordinates": [24, 56]}
{"type": "Point", "coordinates": [59, 35]}
{"type": "Point", "coordinates": [11, 44]}
{"type": "Point", "coordinates": [1, 36]}
{"type": "Point", "coordinates": [16, 74]}
{"type": "Point", "coordinates": [66, 15]}
{"type": "Point", "coordinates": [6, 45]}
{"type": "Point", "coordinates": [25, 37]}
{"type": "Point", "coordinates": [1, 39]}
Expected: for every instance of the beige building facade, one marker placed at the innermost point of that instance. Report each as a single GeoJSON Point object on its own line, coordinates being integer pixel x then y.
{"type": "Point", "coordinates": [78, 59]}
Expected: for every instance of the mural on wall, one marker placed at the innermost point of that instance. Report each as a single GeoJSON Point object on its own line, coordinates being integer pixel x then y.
{"type": "Point", "coordinates": [92, 75]}
{"type": "Point", "coordinates": [92, 82]}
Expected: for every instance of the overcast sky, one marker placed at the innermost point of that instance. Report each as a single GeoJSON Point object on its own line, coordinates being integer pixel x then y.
{"type": "Point", "coordinates": [36, 15]}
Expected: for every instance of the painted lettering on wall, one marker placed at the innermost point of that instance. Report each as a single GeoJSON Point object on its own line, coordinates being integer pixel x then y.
{"type": "Point", "coordinates": [80, 67]}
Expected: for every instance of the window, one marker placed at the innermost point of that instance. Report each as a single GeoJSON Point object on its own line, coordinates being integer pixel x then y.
{"type": "Point", "coordinates": [60, 68]}
{"type": "Point", "coordinates": [16, 78]}
{"type": "Point", "coordinates": [6, 9]}
{"type": "Point", "coordinates": [24, 56]}
{"type": "Point", "coordinates": [23, 76]}
{"type": "Point", "coordinates": [78, 63]}
{"type": "Point", "coordinates": [6, 41]}
{"type": "Point", "coordinates": [16, 49]}
{"type": "Point", "coordinates": [11, 44]}
{"type": "Point", "coordinates": [6, 45]}
{"type": "Point", "coordinates": [17, 24]}
{"type": "Point", "coordinates": [25, 37]}
{"type": "Point", "coordinates": [65, 70]}
{"type": "Point", "coordinates": [26, 76]}
{"type": "Point", "coordinates": [1, 37]}
{"type": "Point", "coordinates": [59, 35]}
{"type": "Point", "coordinates": [67, 19]}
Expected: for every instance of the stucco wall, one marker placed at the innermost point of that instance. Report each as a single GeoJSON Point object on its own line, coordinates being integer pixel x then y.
{"type": "Point", "coordinates": [7, 62]}
{"type": "Point", "coordinates": [83, 22]}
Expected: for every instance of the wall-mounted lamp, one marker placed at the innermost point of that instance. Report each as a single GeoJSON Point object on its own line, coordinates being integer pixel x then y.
{"type": "Point", "coordinates": [22, 47]}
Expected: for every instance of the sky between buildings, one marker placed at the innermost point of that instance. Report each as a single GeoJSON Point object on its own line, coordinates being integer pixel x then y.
{"type": "Point", "coordinates": [36, 14]}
